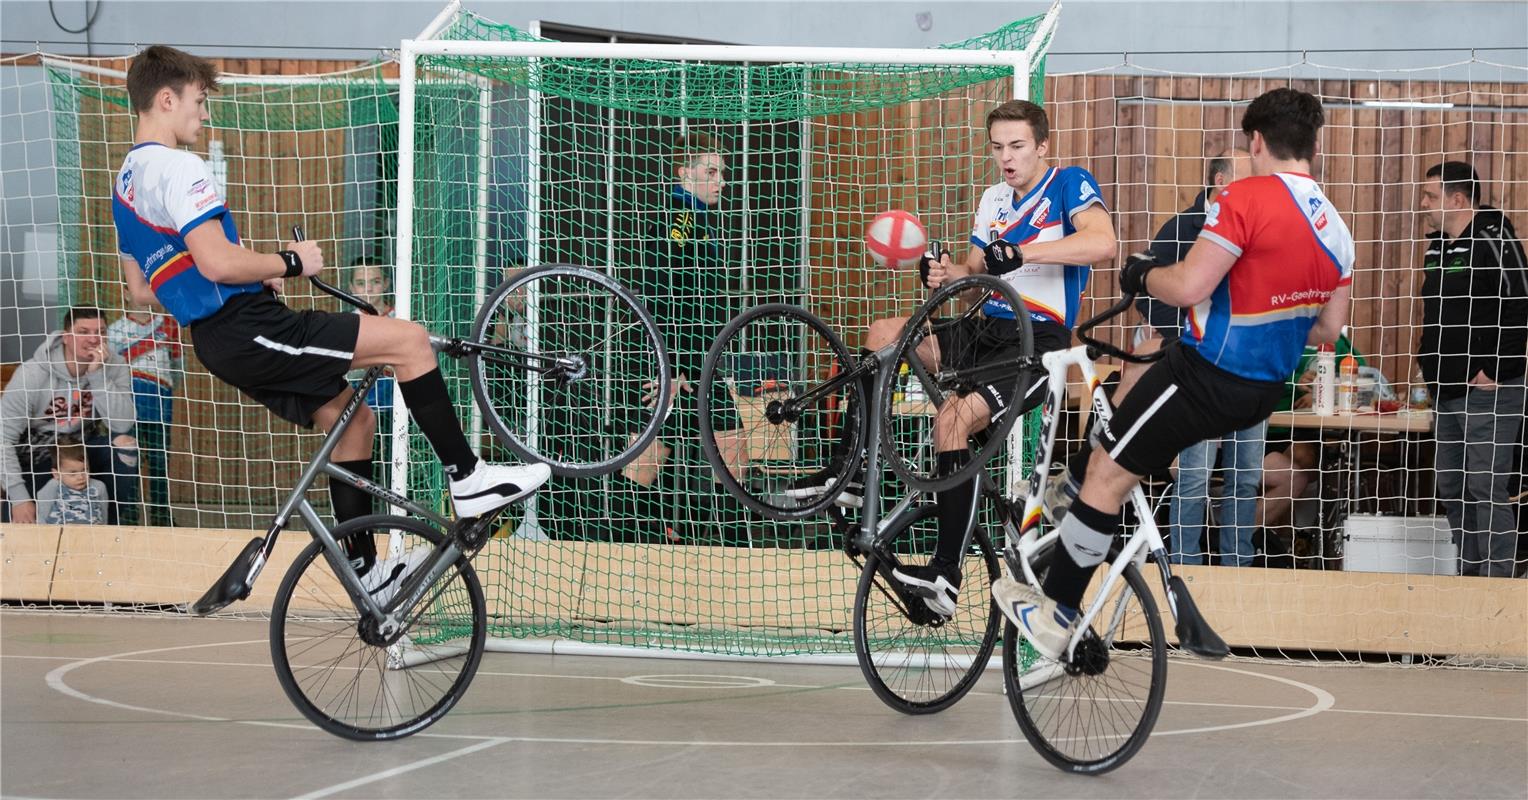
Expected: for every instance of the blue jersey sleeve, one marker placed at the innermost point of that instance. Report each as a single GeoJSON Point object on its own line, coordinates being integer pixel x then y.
{"type": "Point", "coordinates": [1079, 191]}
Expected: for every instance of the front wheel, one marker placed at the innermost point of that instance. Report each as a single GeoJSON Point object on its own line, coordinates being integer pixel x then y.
{"type": "Point", "coordinates": [914, 660]}
{"type": "Point", "coordinates": [569, 369]}
{"type": "Point", "coordinates": [1091, 715]}
{"type": "Point", "coordinates": [364, 691]}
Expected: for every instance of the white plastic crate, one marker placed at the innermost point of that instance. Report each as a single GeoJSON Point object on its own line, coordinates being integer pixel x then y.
{"type": "Point", "coordinates": [1417, 545]}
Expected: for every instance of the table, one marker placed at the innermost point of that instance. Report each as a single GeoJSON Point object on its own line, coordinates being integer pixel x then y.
{"type": "Point", "coordinates": [1341, 427]}
{"type": "Point", "coordinates": [1404, 421]}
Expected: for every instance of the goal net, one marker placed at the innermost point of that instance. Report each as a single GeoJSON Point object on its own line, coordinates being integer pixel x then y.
{"type": "Point", "coordinates": [570, 154]}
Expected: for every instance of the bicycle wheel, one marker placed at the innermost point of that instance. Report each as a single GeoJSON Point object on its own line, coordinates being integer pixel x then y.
{"type": "Point", "coordinates": [562, 361]}
{"type": "Point", "coordinates": [914, 660]}
{"type": "Point", "coordinates": [1092, 715]}
{"type": "Point", "coordinates": [776, 365]}
{"type": "Point", "coordinates": [976, 352]}
{"type": "Point", "coordinates": [372, 691]}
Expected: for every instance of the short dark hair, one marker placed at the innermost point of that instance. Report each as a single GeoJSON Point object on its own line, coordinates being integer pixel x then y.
{"type": "Point", "coordinates": [161, 66]}
{"type": "Point", "coordinates": [1022, 111]}
{"type": "Point", "coordinates": [1458, 178]}
{"type": "Point", "coordinates": [1217, 165]}
{"type": "Point", "coordinates": [78, 313]}
{"type": "Point", "coordinates": [68, 448]}
{"type": "Point", "coordinates": [692, 146]}
{"type": "Point", "coordinates": [1288, 119]}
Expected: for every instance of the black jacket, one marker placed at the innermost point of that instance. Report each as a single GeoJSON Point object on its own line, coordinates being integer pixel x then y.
{"type": "Point", "coordinates": [1474, 306]}
{"type": "Point", "coordinates": [1170, 246]}
{"type": "Point", "coordinates": [686, 282]}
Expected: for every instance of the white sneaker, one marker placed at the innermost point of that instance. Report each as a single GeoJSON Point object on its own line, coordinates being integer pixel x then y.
{"type": "Point", "coordinates": [939, 593]}
{"type": "Point", "coordinates": [491, 487]}
{"type": "Point", "coordinates": [1034, 615]}
{"type": "Point", "coordinates": [387, 575]}
{"type": "Point", "coordinates": [852, 495]}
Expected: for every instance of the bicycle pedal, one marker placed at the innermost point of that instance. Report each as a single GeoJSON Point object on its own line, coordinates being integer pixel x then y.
{"type": "Point", "coordinates": [472, 533]}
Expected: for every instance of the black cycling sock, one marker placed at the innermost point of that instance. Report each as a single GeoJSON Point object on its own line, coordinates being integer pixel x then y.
{"type": "Point", "coordinates": [1077, 465]}
{"type": "Point", "coordinates": [431, 408]}
{"type": "Point", "coordinates": [1086, 534]}
{"type": "Point", "coordinates": [350, 503]}
{"type": "Point", "coordinates": [955, 506]}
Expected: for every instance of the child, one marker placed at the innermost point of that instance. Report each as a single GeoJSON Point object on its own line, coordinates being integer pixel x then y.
{"type": "Point", "coordinates": [72, 497]}
{"type": "Point", "coordinates": [150, 344]}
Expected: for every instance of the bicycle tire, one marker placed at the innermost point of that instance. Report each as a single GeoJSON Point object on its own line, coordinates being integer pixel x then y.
{"type": "Point", "coordinates": [915, 461]}
{"type": "Point", "coordinates": [842, 456]}
{"type": "Point", "coordinates": [1033, 688]}
{"type": "Point", "coordinates": [915, 680]}
{"type": "Point", "coordinates": [338, 677]}
{"type": "Point", "coordinates": [592, 426]}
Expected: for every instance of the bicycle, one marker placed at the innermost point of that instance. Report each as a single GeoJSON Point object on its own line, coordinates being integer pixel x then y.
{"type": "Point", "coordinates": [812, 418]}
{"type": "Point", "coordinates": [1066, 709]}
{"type": "Point", "coordinates": [390, 662]}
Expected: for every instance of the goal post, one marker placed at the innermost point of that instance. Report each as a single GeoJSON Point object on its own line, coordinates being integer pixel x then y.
{"type": "Point", "coordinates": [571, 145]}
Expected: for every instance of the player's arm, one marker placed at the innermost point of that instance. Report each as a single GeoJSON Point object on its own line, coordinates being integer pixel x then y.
{"type": "Point", "coordinates": [1092, 241]}
{"type": "Point", "coordinates": [1334, 316]}
{"type": "Point", "coordinates": [222, 261]}
{"type": "Point", "coordinates": [138, 286]}
{"type": "Point", "coordinates": [1190, 281]}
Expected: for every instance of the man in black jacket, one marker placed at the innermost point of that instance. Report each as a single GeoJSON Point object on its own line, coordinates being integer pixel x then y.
{"type": "Point", "coordinates": [1472, 355]}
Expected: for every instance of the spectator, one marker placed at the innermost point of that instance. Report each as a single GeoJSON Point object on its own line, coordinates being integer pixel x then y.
{"type": "Point", "coordinates": [1288, 465]}
{"type": "Point", "coordinates": [150, 344]}
{"type": "Point", "coordinates": [372, 281]}
{"type": "Point", "coordinates": [72, 497]}
{"type": "Point", "coordinates": [1472, 355]}
{"type": "Point", "coordinates": [72, 385]}
{"type": "Point", "coordinates": [686, 282]}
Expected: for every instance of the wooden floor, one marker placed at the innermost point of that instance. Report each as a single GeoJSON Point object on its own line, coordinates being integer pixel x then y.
{"type": "Point", "coordinates": [167, 707]}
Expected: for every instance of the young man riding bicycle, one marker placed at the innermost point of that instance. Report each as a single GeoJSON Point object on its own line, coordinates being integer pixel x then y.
{"type": "Point", "coordinates": [1041, 229]}
{"type": "Point", "coordinates": [180, 249]}
{"type": "Point", "coordinates": [1271, 271]}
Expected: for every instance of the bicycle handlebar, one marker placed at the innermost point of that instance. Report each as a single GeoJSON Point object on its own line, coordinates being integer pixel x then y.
{"type": "Point", "coordinates": [334, 291]}
{"type": "Point", "coordinates": [1104, 347]}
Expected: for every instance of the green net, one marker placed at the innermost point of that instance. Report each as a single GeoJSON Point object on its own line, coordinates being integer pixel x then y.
{"type": "Point", "coordinates": [609, 163]}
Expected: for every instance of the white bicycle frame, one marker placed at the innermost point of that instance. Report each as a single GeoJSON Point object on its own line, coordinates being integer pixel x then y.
{"type": "Point", "coordinates": [1146, 538]}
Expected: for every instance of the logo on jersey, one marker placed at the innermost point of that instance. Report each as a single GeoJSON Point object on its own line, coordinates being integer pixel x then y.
{"type": "Point", "coordinates": [1087, 191]}
{"type": "Point", "coordinates": [1320, 222]}
{"type": "Point", "coordinates": [1212, 214]}
{"type": "Point", "coordinates": [127, 185]}
{"type": "Point", "coordinates": [1314, 203]}
{"type": "Point", "coordinates": [1037, 220]}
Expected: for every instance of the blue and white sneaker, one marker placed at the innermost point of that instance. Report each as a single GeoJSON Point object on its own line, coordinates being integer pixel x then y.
{"type": "Point", "coordinates": [1037, 617]}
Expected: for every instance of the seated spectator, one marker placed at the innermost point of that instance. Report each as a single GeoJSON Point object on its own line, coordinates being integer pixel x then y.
{"type": "Point", "coordinates": [73, 385]}
{"type": "Point", "coordinates": [72, 497]}
{"type": "Point", "coordinates": [1290, 463]}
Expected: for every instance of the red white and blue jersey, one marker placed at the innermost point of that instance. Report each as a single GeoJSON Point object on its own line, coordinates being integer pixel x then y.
{"type": "Point", "coordinates": [1292, 251]}
{"type": "Point", "coordinates": [1053, 292]}
{"type": "Point", "coordinates": [162, 193]}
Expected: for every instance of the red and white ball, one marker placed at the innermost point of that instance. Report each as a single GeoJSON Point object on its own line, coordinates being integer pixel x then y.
{"type": "Point", "coordinates": [896, 239]}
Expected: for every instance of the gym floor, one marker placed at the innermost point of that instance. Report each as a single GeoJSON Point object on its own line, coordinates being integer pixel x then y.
{"type": "Point", "coordinates": [140, 706]}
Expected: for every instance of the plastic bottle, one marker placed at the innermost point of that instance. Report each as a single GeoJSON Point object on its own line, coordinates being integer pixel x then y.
{"type": "Point", "coordinates": [901, 391]}
{"type": "Point", "coordinates": [914, 391]}
{"type": "Point", "coordinates": [1347, 385]}
{"type": "Point", "coordinates": [1419, 398]}
{"type": "Point", "coordinates": [1325, 390]}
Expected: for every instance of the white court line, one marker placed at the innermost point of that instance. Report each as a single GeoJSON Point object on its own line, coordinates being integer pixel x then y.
{"type": "Point", "coordinates": [399, 770]}
{"type": "Point", "coordinates": [551, 676]}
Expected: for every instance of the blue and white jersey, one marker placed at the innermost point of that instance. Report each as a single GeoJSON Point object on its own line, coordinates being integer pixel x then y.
{"type": "Point", "coordinates": [1053, 292]}
{"type": "Point", "coordinates": [161, 194]}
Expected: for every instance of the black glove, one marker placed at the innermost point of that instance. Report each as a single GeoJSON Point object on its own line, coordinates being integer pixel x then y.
{"type": "Point", "coordinates": [1003, 257]}
{"type": "Point", "coordinates": [1132, 276]}
{"type": "Point", "coordinates": [925, 263]}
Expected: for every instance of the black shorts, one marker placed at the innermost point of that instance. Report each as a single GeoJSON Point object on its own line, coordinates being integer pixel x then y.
{"type": "Point", "coordinates": [1182, 400]}
{"type": "Point", "coordinates": [291, 362]}
{"type": "Point", "coordinates": [977, 340]}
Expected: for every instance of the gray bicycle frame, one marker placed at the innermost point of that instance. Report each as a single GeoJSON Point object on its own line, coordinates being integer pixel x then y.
{"type": "Point", "coordinates": [297, 503]}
